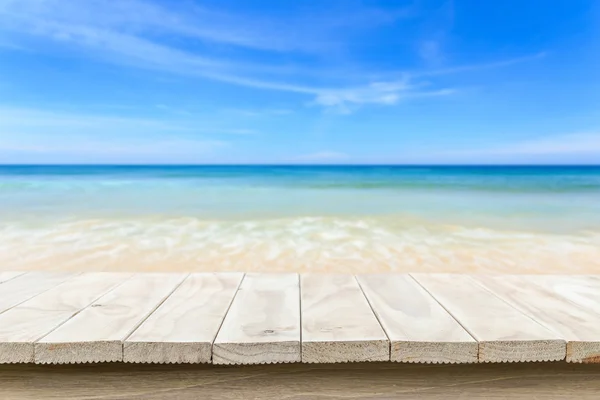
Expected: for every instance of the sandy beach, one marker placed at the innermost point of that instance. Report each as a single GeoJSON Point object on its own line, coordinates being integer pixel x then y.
{"type": "Point", "coordinates": [301, 219]}
{"type": "Point", "coordinates": [293, 245]}
{"type": "Point", "coordinates": [299, 200]}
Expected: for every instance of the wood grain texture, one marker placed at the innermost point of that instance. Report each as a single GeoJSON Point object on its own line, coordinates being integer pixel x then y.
{"type": "Point", "coordinates": [338, 324]}
{"type": "Point", "coordinates": [504, 333]}
{"type": "Point", "coordinates": [579, 290]}
{"type": "Point", "coordinates": [97, 333]}
{"type": "Point", "coordinates": [578, 322]}
{"type": "Point", "coordinates": [184, 327]}
{"type": "Point", "coordinates": [263, 322]}
{"type": "Point", "coordinates": [24, 287]}
{"type": "Point", "coordinates": [23, 325]}
{"type": "Point", "coordinates": [8, 275]}
{"type": "Point", "coordinates": [359, 381]}
{"type": "Point", "coordinates": [419, 329]}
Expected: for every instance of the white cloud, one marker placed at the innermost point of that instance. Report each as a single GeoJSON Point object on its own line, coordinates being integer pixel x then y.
{"type": "Point", "coordinates": [91, 146]}
{"type": "Point", "coordinates": [140, 34]}
{"type": "Point", "coordinates": [127, 49]}
{"type": "Point", "coordinates": [27, 120]}
{"type": "Point", "coordinates": [34, 135]}
{"type": "Point", "coordinates": [24, 118]}
{"type": "Point", "coordinates": [254, 31]}
{"type": "Point", "coordinates": [479, 67]}
{"type": "Point", "coordinates": [570, 148]}
{"type": "Point", "coordinates": [109, 146]}
{"type": "Point", "coordinates": [382, 93]}
{"type": "Point", "coordinates": [377, 93]}
{"type": "Point", "coordinates": [574, 143]}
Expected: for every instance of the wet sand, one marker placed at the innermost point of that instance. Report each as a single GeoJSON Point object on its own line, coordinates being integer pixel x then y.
{"type": "Point", "coordinates": [295, 245]}
{"type": "Point", "coordinates": [346, 219]}
{"type": "Point", "coordinates": [296, 381]}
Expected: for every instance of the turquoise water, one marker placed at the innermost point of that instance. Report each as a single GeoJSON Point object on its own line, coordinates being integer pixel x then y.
{"type": "Point", "coordinates": [264, 216]}
{"type": "Point", "coordinates": [553, 198]}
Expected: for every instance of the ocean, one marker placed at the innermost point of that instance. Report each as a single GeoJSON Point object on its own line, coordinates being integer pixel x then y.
{"type": "Point", "coordinates": [504, 219]}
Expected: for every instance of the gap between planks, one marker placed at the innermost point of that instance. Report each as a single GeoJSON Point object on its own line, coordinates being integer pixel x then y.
{"type": "Point", "coordinates": [504, 333]}
{"type": "Point", "coordinates": [320, 320]}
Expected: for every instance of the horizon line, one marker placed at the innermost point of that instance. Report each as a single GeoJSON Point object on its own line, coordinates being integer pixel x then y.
{"type": "Point", "coordinates": [288, 165]}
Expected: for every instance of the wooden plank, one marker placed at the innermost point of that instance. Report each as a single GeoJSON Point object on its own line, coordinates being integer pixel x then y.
{"type": "Point", "coordinates": [419, 329]}
{"type": "Point", "coordinates": [8, 275]}
{"type": "Point", "coordinates": [354, 381]}
{"type": "Point", "coordinates": [184, 327]}
{"type": "Point", "coordinates": [581, 290]}
{"type": "Point", "coordinates": [24, 287]}
{"type": "Point", "coordinates": [536, 296]}
{"type": "Point", "coordinates": [97, 333]}
{"type": "Point", "coordinates": [23, 325]}
{"type": "Point", "coordinates": [338, 324]}
{"type": "Point", "coordinates": [262, 325]}
{"type": "Point", "coordinates": [504, 333]}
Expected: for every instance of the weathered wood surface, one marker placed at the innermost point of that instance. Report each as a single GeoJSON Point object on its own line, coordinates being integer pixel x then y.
{"type": "Point", "coordinates": [359, 381]}
{"type": "Point", "coordinates": [97, 333]}
{"type": "Point", "coordinates": [338, 324]}
{"type": "Point", "coordinates": [504, 333]}
{"type": "Point", "coordinates": [263, 322]}
{"type": "Point", "coordinates": [275, 318]}
{"type": "Point", "coordinates": [578, 322]}
{"type": "Point", "coordinates": [580, 290]}
{"type": "Point", "coordinates": [23, 325]}
{"type": "Point", "coordinates": [419, 328]}
{"type": "Point", "coordinates": [184, 327]}
{"type": "Point", "coordinates": [8, 275]}
{"type": "Point", "coordinates": [24, 287]}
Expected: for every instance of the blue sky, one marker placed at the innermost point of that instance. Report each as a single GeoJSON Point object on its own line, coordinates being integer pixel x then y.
{"type": "Point", "coordinates": [318, 82]}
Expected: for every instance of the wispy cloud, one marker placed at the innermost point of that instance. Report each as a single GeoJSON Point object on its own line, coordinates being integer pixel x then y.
{"type": "Point", "coordinates": [479, 66]}
{"type": "Point", "coordinates": [39, 135]}
{"type": "Point", "coordinates": [6, 44]}
{"type": "Point", "coordinates": [383, 93]}
{"type": "Point", "coordinates": [14, 119]}
{"type": "Point", "coordinates": [574, 143]}
{"type": "Point", "coordinates": [138, 34]}
{"type": "Point", "coordinates": [112, 147]}
{"type": "Point", "coordinates": [115, 36]}
{"type": "Point", "coordinates": [46, 136]}
{"type": "Point", "coordinates": [186, 19]}
{"type": "Point", "coordinates": [77, 145]}
{"type": "Point", "coordinates": [436, 34]}
{"type": "Point", "coordinates": [570, 148]}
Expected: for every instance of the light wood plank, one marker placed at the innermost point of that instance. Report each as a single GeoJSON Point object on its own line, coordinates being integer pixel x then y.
{"type": "Point", "coordinates": [538, 297]}
{"type": "Point", "coordinates": [24, 287]}
{"type": "Point", "coordinates": [97, 333]}
{"type": "Point", "coordinates": [504, 333]}
{"type": "Point", "coordinates": [263, 322]}
{"type": "Point", "coordinates": [338, 324]}
{"type": "Point", "coordinates": [581, 290]}
{"type": "Point", "coordinates": [8, 275]}
{"type": "Point", "coordinates": [184, 327]}
{"type": "Point", "coordinates": [419, 329]}
{"type": "Point", "coordinates": [24, 324]}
